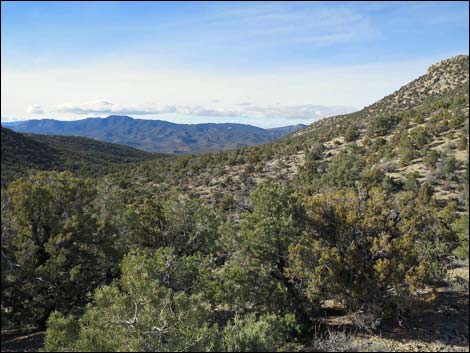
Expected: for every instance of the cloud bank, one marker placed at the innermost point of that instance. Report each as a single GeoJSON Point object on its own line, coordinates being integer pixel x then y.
{"type": "Point", "coordinates": [308, 112]}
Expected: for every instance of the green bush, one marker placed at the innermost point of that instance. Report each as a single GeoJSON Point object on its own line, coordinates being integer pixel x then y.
{"type": "Point", "coordinates": [142, 314]}
{"type": "Point", "coordinates": [62, 250]}
{"type": "Point", "coordinates": [344, 170]}
{"type": "Point", "coordinates": [460, 226]}
{"type": "Point", "coordinates": [431, 158]}
{"type": "Point", "coordinates": [361, 251]}
{"type": "Point", "coordinates": [250, 334]}
{"type": "Point", "coordinates": [382, 124]}
{"type": "Point", "coordinates": [351, 134]}
{"type": "Point", "coordinates": [411, 182]}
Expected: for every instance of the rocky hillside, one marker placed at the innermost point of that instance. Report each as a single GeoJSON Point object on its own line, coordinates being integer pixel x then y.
{"type": "Point", "coordinates": [439, 79]}
{"type": "Point", "coordinates": [418, 133]}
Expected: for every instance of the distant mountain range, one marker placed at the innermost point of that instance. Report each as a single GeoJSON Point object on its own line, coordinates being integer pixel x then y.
{"type": "Point", "coordinates": [157, 135]}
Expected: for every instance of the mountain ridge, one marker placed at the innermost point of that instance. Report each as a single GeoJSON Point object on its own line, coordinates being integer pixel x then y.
{"type": "Point", "coordinates": [158, 135]}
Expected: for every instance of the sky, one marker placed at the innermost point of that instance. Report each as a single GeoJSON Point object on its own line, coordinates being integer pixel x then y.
{"type": "Point", "coordinates": [262, 63]}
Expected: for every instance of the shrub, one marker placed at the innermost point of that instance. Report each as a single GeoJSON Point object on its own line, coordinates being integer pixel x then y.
{"type": "Point", "coordinates": [249, 334]}
{"type": "Point", "coordinates": [351, 134]}
{"type": "Point", "coordinates": [420, 137]}
{"type": "Point", "coordinates": [462, 143]}
{"type": "Point", "coordinates": [419, 119]}
{"type": "Point", "coordinates": [62, 249]}
{"type": "Point", "coordinates": [62, 332]}
{"type": "Point", "coordinates": [142, 314]}
{"type": "Point", "coordinates": [255, 275]}
{"type": "Point", "coordinates": [431, 158]}
{"type": "Point", "coordinates": [344, 169]}
{"type": "Point", "coordinates": [449, 167]}
{"type": "Point", "coordinates": [460, 226]}
{"type": "Point", "coordinates": [362, 251]}
{"type": "Point", "coordinates": [381, 125]}
{"type": "Point", "coordinates": [391, 185]}
{"type": "Point", "coordinates": [411, 182]}
{"type": "Point", "coordinates": [316, 152]}
{"type": "Point", "coordinates": [408, 151]}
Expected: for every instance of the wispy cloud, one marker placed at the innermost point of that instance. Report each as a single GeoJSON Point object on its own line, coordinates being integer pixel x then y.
{"type": "Point", "coordinates": [308, 112]}
{"type": "Point", "coordinates": [104, 107]}
{"type": "Point", "coordinates": [236, 28]}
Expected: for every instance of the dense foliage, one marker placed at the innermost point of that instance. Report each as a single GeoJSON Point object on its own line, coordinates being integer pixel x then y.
{"type": "Point", "coordinates": [23, 154]}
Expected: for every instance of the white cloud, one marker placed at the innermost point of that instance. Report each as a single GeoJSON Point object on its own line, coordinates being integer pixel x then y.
{"type": "Point", "coordinates": [307, 112]}
{"type": "Point", "coordinates": [34, 109]}
{"type": "Point", "coordinates": [104, 107]}
{"type": "Point", "coordinates": [300, 94]}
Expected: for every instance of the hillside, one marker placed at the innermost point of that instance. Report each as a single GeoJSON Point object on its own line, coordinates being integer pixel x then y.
{"type": "Point", "coordinates": [157, 135]}
{"type": "Point", "coordinates": [22, 153]}
{"type": "Point", "coordinates": [393, 137]}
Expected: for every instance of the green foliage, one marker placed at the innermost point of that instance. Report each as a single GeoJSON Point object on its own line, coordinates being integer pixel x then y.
{"type": "Point", "coordinates": [250, 334]}
{"type": "Point", "coordinates": [449, 167]}
{"type": "Point", "coordinates": [22, 154]}
{"type": "Point", "coordinates": [255, 275]}
{"type": "Point", "coordinates": [359, 250]}
{"type": "Point", "coordinates": [391, 185]}
{"type": "Point", "coordinates": [420, 137]}
{"type": "Point", "coordinates": [351, 134]}
{"type": "Point", "coordinates": [142, 314]}
{"type": "Point", "coordinates": [408, 151]}
{"type": "Point", "coordinates": [276, 220]}
{"type": "Point", "coordinates": [419, 119]}
{"type": "Point", "coordinates": [411, 182]}
{"type": "Point", "coordinates": [460, 226]}
{"type": "Point", "coordinates": [425, 193]}
{"type": "Point", "coordinates": [462, 143]}
{"type": "Point", "coordinates": [457, 121]}
{"type": "Point", "coordinates": [373, 177]}
{"type": "Point", "coordinates": [431, 159]}
{"type": "Point", "coordinates": [345, 169]}
{"type": "Point", "coordinates": [315, 153]}
{"type": "Point", "coordinates": [61, 332]}
{"type": "Point", "coordinates": [190, 226]}
{"type": "Point", "coordinates": [381, 125]}
{"type": "Point", "coordinates": [61, 250]}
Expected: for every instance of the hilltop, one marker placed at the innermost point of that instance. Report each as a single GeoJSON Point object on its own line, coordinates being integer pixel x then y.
{"type": "Point", "coordinates": [24, 153]}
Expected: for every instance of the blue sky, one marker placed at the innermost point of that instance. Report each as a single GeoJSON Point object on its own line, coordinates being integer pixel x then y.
{"type": "Point", "coordinates": [268, 64]}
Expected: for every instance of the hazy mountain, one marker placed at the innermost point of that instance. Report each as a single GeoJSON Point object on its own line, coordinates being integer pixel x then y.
{"type": "Point", "coordinates": [157, 135]}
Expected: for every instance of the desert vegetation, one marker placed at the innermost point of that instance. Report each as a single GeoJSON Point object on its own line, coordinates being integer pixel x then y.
{"type": "Point", "coordinates": [248, 249]}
